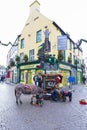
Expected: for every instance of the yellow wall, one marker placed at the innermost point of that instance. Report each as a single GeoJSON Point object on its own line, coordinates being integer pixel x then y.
{"type": "Point", "coordinates": [35, 22]}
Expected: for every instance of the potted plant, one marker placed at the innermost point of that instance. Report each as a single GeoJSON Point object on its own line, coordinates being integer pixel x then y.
{"type": "Point", "coordinates": [17, 59]}
{"type": "Point", "coordinates": [25, 58]}
{"type": "Point", "coordinates": [69, 60]}
{"type": "Point", "coordinates": [76, 62]}
{"type": "Point", "coordinates": [12, 63]}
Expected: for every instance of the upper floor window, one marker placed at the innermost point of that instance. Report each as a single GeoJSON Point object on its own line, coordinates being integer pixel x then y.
{"type": "Point", "coordinates": [22, 43]}
{"type": "Point", "coordinates": [78, 52]}
{"type": "Point", "coordinates": [46, 33]}
{"type": "Point", "coordinates": [64, 55]}
{"type": "Point", "coordinates": [71, 56]}
{"type": "Point", "coordinates": [70, 45]}
{"type": "Point", "coordinates": [74, 58]}
{"type": "Point", "coordinates": [31, 55]}
{"type": "Point", "coordinates": [21, 57]}
{"type": "Point", "coordinates": [38, 36]}
{"type": "Point", "coordinates": [73, 47]}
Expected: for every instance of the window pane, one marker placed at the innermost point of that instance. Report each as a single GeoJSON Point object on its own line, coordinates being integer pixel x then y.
{"type": "Point", "coordinates": [22, 76]}
{"type": "Point", "coordinates": [38, 36]}
{"type": "Point", "coordinates": [21, 57]}
{"type": "Point", "coordinates": [31, 55]}
{"type": "Point", "coordinates": [22, 43]}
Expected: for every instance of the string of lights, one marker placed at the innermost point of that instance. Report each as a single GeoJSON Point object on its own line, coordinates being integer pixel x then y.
{"type": "Point", "coordinates": [8, 44]}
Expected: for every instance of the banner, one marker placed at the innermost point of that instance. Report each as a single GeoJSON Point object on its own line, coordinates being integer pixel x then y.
{"type": "Point", "coordinates": [62, 42]}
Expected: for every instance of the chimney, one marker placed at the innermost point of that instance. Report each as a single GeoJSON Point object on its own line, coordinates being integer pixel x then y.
{"type": "Point", "coordinates": [35, 6]}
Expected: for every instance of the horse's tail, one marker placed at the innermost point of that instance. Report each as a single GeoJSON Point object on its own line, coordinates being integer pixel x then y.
{"type": "Point", "coordinates": [16, 89]}
{"type": "Point", "coordinates": [15, 92]}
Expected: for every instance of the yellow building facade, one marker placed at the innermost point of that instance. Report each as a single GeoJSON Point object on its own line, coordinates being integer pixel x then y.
{"type": "Point", "coordinates": [34, 33]}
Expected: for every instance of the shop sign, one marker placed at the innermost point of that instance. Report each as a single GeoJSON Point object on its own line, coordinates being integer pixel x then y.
{"type": "Point", "coordinates": [62, 42]}
{"type": "Point", "coordinates": [49, 67]}
{"type": "Point", "coordinates": [28, 66]}
{"type": "Point", "coordinates": [65, 67]}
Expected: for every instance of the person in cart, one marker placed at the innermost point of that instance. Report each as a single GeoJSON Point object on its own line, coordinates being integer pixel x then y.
{"type": "Point", "coordinates": [56, 92]}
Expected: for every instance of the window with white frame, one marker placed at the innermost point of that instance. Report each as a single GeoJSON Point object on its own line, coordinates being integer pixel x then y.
{"type": "Point", "coordinates": [22, 43]}
{"type": "Point", "coordinates": [31, 55]}
{"type": "Point", "coordinates": [21, 57]}
{"type": "Point", "coordinates": [38, 36]}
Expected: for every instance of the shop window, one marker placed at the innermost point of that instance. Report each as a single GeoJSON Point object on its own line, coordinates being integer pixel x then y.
{"type": "Point", "coordinates": [38, 36]}
{"type": "Point", "coordinates": [22, 76]}
{"type": "Point", "coordinates": [70, 45]}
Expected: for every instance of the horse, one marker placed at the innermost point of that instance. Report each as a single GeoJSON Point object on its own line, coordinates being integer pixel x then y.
{"type": "Point", "coordinates": [26, 89]}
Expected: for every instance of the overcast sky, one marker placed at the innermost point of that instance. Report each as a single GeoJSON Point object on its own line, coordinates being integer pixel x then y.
{"type": "Point", "coordinates": [70, 15]}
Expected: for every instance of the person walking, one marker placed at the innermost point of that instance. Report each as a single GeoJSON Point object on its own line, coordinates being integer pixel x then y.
{"type": "Point", "coordinates": [70, 80]}
{"type": "Point", "coordinates": [84, 80]}
{"type": "Point", "coordinates": [39, 80]}
{"type": "Point", "coordinates": [35, 79]}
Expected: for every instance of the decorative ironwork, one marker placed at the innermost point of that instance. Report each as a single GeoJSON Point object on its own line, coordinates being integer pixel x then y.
{"type": "Point", "coordinates": [80, 42]}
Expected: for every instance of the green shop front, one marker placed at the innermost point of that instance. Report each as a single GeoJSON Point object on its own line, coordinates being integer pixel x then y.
{"type": "Point", "coordinates": [67, 70]}
{"type": "Point", "coordinates": [26, 71]}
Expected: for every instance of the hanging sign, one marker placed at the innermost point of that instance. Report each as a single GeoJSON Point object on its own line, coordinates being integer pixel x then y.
{"type": "Point", "coordinates": [62, 42]}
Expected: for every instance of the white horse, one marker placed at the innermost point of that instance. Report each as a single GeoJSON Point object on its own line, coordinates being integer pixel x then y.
{"type": "Point", "coordinates": [26, 89]}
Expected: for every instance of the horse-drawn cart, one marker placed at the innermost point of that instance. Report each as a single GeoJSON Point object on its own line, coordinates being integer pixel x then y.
{"type": "Point", "coordinates": [50, 79]}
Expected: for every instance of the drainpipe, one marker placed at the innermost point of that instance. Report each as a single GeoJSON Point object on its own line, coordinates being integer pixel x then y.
{"type": "Point", "coordinates": [76, 74]}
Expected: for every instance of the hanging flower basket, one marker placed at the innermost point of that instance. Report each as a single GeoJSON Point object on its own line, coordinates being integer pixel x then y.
{"type": "Point", "coordinates": [25, 58]}
{"type": "Point", "coordinates": [76, 62]}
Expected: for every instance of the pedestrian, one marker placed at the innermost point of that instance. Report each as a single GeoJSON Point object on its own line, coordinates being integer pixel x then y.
{"type": "Point", "coordinates": [39, 80]}
{"type": "Point", "coordinates": [35, 79]}
{"type": "Point", "coordinates": [84, 80]}
{"type": "Point", "coordinates": [56, 93]}
{"type": "Point", "coordinates": [70, 80]}
{"type": "Point", "coordinates": [2, 78]}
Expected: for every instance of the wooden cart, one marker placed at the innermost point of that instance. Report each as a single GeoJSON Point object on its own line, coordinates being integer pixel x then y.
{"type": "Point", "coordinates": [50, 79]}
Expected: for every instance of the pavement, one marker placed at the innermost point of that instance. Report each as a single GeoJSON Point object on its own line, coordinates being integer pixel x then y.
{"type": "Point", "coordinates": [51, 116]}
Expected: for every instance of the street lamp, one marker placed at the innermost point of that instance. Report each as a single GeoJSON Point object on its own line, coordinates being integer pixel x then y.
{"type": "Point", "coordinates": [52, 59]}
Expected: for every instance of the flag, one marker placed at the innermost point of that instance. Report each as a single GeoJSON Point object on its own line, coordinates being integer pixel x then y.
{"type": "Point", "coordinates": [41, 46]}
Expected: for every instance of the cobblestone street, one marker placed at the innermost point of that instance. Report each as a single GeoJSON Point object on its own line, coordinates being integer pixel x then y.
{"type": "Point", "coordinates": [51, 116]}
